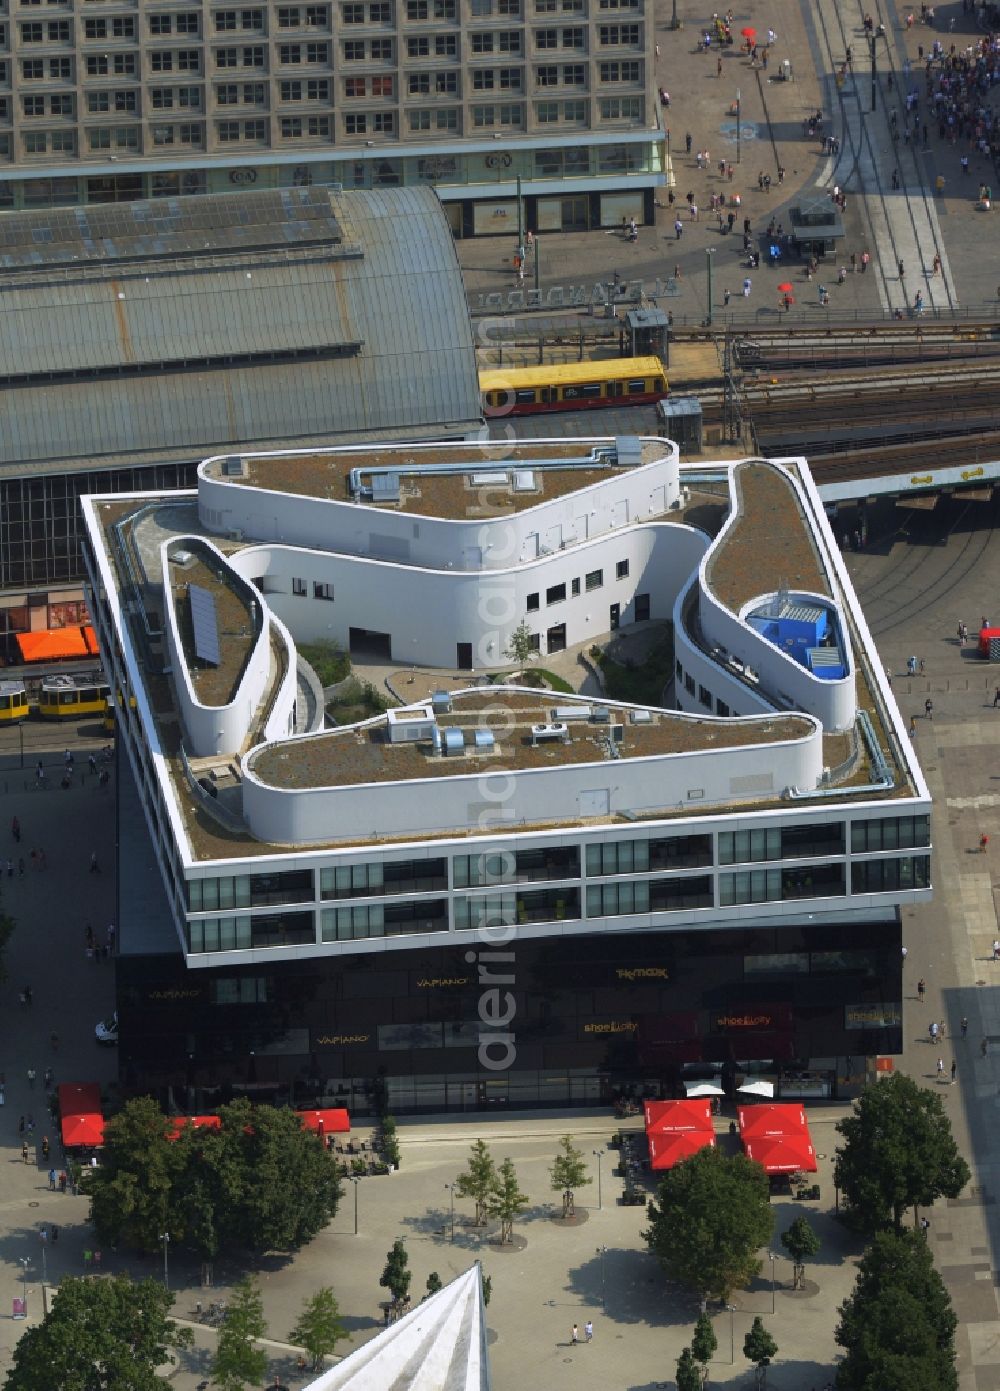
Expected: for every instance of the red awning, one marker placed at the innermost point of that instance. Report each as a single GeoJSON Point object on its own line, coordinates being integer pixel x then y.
{"type": "Point", "coordinates": [783, 1154]}
{"type": "Point", "coordinates": [756, 1122]}
{"type": "Point", "coordinates": [325, 1122]}
{"type": "Point", "coordinates": [180, 1123]}
{"type": "Point", "coordinates": [667, 1148]}
{"type": "Point", "coordinates": [52, 644]}
{"type": "Point", "coordinates": [80, 1114]}
{"type": "Point", "coordinates": [674, 1117]}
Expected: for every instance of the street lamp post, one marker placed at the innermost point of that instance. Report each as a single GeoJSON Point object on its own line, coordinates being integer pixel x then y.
{"type": "Point", "coordinates": [709, 254]}
{"type": "Point", "coordinates": [732, 1334]}
{"type": "Point", "coordinates": [165, 1238]}
{"type": "Point", "coordinates": [602, 1252]}
{"type": "Point", "coordinates": [43, 1237]}
{"type": "Point", "coordinates": [451, 1191]}
{"type": "Point", "coordinates": [872, 50]}
{"type": "Point", "coordinates": [738, 109]}
{"type": "Point", "coordinates": [23, 1262]}
{"type": "Point", "coordinates": [355, 1181]}
{"type": "Point", "coordinates": [598, 1154]}
{"type": "Point", "coordinates": [674, 21]}
{"type": "Point", "coordinates": [772, 1258]}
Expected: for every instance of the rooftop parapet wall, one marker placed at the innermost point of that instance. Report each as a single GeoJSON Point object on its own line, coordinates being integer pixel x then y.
{"type": "Point", "coordinates": [766, 548]}
{"type": "Point", "coordinates": [350, 783]}
{"type": "Point", "coordinates": [218, 718]}
{"type": "Point", "coordinates": [442, 521]}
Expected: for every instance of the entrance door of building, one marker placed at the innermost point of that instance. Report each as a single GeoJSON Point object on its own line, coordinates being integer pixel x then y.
{"type": "Point", "coordinates": [615, 617]}
{"type": "Point", "coordinates": [641, 608]}
{"type": "Point", "coordinates": [465, 656]}
{"type": "Point", "coordinates": [365, 643]}
{"type": "Point", "coordinates": [555, 639]}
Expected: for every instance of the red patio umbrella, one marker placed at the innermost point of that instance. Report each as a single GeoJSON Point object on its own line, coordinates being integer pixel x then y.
{"type": "Point", "coordinates": [782, 1154]}
{"type": "Point", "coordinates": [758, 1122]}
{"type": "Point", "coordinates": [749, 32]}
{"type": "Point", "coordinates": [786, 287]}
{"type": "Point", "coordinates": [672, 1117]}
{"type": "Point", "coordinates": [669, 1148]}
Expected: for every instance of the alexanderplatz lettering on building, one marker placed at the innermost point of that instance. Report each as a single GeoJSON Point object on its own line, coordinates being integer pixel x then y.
{"type": "Point", "coordinates": [498, 895]}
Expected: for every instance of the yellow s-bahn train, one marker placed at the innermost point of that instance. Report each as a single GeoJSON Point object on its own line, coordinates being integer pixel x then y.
{"type": "Point", "coordinates": [72, 696]}
{"type": "Point", "coordinates": [13, 702]}
{"type": "Point", "coordinates": [572, 386]}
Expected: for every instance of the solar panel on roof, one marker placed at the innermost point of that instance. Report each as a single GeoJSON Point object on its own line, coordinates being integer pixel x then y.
{"type": "Point", "coordinates": [205, 623]}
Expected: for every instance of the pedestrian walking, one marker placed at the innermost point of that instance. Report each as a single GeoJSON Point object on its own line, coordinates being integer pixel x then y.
{"type": "Point", "coordinates": [52, 1180]}
{"type": "Point", "coordinates": [575, 1338]}
{"type": "Point", "coordinates": [588, 1331]}
{"type": "Point", "coordinates": [911, 666]}
{"type": "Point", "coordinates": [747, 287]}
{"type": "Point", "coordinates": [929, 708]}
{"type": "Point", "coordinates": [20, 1124]}
{"type": "Point", "coordinates": [965, 1027]}
{"type": "Point", "coordinates": [913, 724]}
{"type": "Point", "coordinates": [111, 937]}
{"type": "Point", "coordinates": [31, 1077]}
{"type": "Point", "coordinates": [954, 1071]}
{"type": "Point", "coordinates": [678, 228]}
{"type": "Point", "coordinates": [15, 830]}
{"type": "Point", "coordinates": [63, 1180]}
{"type": "Point", "coordinates": [921, 988]}
{"type": "Point", "coordinates": [941, 1029]}
{"type": "Point", "coordinates": [984, 841]}
{"type": "Point", "coordinates": [904, 953]}
{"type": "Point", "coordinates": [996, 697]}
{"type": "Point", "coordinates": [95, 867]}
{"type": "Point", "coordinates": [984, 1046]}
{"type": "Point", "coordinates": [725, 301]}
{"type": "Point", "coordinates": [940, 1066]}
{"type": "Point", "coordinates": [932, 1030]}
{"type": "Point", "coordinates": [48, 1078]}
{"type": "Point", "coordinates": [24, 1153]}
{"type": "Point", "coordinates": [687, 143]}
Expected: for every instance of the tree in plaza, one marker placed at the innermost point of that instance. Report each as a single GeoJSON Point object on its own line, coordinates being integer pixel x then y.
{"type": "Point", "coordinates": [319, 1328]}
{"type": "Point", "coordinates": [800, 1241]}
{"type": "Point", "coordinates": [759, 1348]}
{"type": "Point", "coordinates": [283, 1180]}
{"type": "Point", "coordinates": [522, 647]}
{"type": "Point", "coordinates": [898, 1152]}
{"type": "Point", "coordinates": [134, 1192]}
{"type": "Point", "coordinates": [433, 1283]}
{"type": "Point", "coordinates": [711, 1215]}
{"type": "Point", "coordinates": [506, 1199]}
{"type": "Point", "coordinates": [898, 1326]}
{"type": "Point", "coordinates": [568, 1172]}
{"type": "Point", "coordinates": [479, 1179]}
{"type": "Point", "coordinates": [688, 1372]}
{"type": "Point", "coordinates": [397, 1275]}
{"type": "Point", "coordinates": [259, 1182]}
{"type": "Point", "coordinates": [704, 1343]}
{"type": "Point", "coordinates": [107, 1334]}
{"type": "Point", "coordinates": [238, 1362]}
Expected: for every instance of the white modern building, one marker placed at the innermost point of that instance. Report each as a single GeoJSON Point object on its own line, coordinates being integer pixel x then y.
{"type": "Point", "coordinates": [713, 881]}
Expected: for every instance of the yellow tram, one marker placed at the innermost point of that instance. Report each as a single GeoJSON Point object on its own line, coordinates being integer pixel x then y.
{"type": "Point", "coordinates": [71, 696]}
{"type": "Point", "coordinates": [13, 702]}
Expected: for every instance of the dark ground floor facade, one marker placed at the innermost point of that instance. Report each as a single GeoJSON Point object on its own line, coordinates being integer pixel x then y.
{"type": "Point", "coordinates": [559, 1023]}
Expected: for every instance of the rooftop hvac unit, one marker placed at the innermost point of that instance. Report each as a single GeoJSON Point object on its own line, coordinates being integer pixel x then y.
{"type": "Point", "coordinates": [629, 451]}
{"type": "Point", "coordinates": [641, 717]}
{"type": "Point", "coordinates": [232, 467]}
{"type": "Point", "coordinates": [385, 487]}
{"type": "Point", "coordinates": [484, 740]}
{"type": "Point", "coordinates": [524, 480]}
{"type": "Point", "coordinates": [454, 742]}
{"type": "Point", "coordinates": [564, 713]}
{"type": "Point", "coordinates": [600, 714]}
{"type": "Point", "coordinates": [441, 702]}
{"type": "Point", "coordinates": [487, 480]}
{"type": "Point", "coordinates": [540, 733]}
{"type": "Point", "coordinates": [617, 733]}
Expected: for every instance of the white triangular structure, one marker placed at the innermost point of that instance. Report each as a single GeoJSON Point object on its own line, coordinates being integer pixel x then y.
{"type": "Point", "coordinates": [438, 1346]}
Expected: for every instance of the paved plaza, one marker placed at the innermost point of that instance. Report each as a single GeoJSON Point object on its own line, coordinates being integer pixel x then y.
{"type": "Point", "coordinates": [910, 223]}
